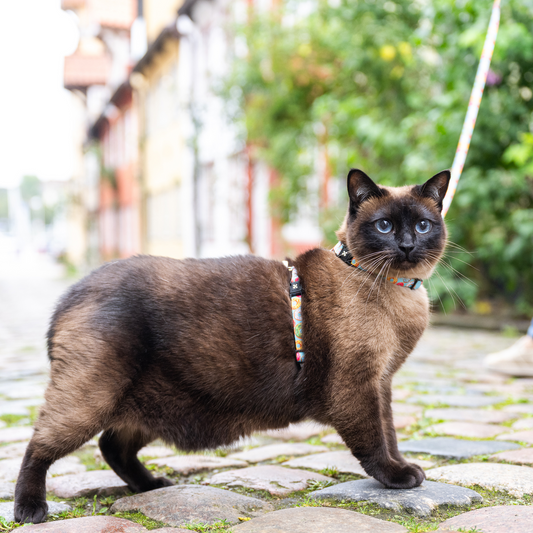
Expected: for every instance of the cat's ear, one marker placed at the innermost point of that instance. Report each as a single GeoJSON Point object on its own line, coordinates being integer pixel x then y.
{"type": "Point", "coordinates": [436, 187]}
{"type": "Point", "coordinates": [360, 188]}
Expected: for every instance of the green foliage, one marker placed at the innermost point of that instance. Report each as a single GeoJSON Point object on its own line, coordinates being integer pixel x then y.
{"type": "Point", "coordinates": [384, 85]}
{"type": "Point", "coordinates": [30, 187]}
{"type": "Point", "coordinates": [4, 204]}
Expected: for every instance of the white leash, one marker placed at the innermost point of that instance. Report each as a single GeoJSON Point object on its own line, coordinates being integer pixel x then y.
{"type": "Point", "coordinates": [473, 106]}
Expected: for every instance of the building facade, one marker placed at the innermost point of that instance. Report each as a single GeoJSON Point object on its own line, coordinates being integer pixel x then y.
{"type": "Point", "coordinates": [164, 171]}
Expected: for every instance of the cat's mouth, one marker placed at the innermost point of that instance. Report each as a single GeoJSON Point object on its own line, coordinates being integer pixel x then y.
{"type": "Point", "coordinates": [406, 264]}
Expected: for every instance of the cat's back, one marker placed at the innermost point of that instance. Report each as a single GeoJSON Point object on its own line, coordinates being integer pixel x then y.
{"type": "Point", "coordinates": [153, 299]}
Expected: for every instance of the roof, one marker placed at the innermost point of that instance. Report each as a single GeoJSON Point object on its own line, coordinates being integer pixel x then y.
{"type": "Point", "coordinates": [117, 14]}
{"type": "Point", "coordinates": [117, 99]}
{"type": "Point", "coordinates": [72, 4]}
{"type": "Point", "coordinates": [186, 8]}
{"type": "Point", "coordinates": [169, 32]}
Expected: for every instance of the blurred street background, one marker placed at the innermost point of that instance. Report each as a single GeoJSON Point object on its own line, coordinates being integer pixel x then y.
{"type": "Point", "coordinates": [215, 127]}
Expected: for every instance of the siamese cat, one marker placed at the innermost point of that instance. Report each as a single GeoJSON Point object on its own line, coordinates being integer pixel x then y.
{"type": "Point", "coordinates": [201, 352]}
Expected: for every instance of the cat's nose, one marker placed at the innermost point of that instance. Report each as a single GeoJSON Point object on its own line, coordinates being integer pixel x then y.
{"type": "Point", "coordinates": [406, 249]}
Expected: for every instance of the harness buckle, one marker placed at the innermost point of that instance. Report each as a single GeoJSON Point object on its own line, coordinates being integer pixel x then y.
{"type": "Point", "coordinates": [417, 284]}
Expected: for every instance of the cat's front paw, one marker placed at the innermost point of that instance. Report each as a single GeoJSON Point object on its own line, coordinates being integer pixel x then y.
{"type": "Point", "coordinates": [163, 482]}
{"type": "Point", "coordinates": [407, 476]}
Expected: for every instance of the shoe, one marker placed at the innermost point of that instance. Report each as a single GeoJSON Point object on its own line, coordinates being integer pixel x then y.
{"type": "Point", "coordinates": [517, 360]}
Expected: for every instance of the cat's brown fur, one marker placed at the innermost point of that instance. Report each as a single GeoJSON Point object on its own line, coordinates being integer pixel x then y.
{"type": "Point", "coordinates": [201, 352]}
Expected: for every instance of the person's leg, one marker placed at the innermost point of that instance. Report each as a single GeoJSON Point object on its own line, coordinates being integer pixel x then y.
{"type": "Point", "coordinates": [517, 360]}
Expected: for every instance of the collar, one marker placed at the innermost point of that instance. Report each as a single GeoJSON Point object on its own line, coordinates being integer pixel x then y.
{"type": "Point", "coordinates": [342, 252]}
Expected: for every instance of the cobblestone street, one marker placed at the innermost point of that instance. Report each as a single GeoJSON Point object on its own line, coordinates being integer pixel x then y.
{"type": "Point", "coordinates": [470, 430]}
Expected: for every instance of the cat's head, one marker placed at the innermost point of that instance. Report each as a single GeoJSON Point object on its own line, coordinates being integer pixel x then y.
{"type": "Point", "coordinates": [397, 231]}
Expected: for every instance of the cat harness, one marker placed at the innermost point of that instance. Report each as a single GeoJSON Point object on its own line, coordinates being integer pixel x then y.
{"type": "Point", "coordinates": [295, 292]}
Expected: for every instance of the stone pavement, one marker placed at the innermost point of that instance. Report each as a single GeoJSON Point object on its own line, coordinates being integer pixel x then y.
{"type": "Point", "coordinates": [471, 431]}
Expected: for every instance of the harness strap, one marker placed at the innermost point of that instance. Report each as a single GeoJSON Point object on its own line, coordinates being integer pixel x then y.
{"type": "Point", "coordinates": [295, 292]}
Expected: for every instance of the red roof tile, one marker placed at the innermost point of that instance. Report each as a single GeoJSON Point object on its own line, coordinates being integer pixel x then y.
{"type": "Point", "coordinates": [82, 71]}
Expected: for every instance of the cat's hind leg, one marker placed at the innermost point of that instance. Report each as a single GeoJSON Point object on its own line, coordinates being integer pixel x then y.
{"type": "Point", "coordinates": [54, 438]}
{"type": "Point", "coordinates": [119, 447]}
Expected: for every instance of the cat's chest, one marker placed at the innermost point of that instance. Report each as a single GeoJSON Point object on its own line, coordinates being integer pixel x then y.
{"type": "Point", "coordinates": [409, 316]}
{"type": "Point", "coordinates": [392, 325]}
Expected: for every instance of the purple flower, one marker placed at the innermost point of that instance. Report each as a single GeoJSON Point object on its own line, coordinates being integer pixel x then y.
{"type": "Point", "coordinates": [493, 78]}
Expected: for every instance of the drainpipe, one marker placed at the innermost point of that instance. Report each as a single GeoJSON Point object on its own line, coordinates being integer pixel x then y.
{"type": "Point", "coordinates": [138, 38]}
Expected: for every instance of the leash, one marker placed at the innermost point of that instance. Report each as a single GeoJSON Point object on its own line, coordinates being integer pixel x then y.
{"type": "Point", "coordinates": [473, 106]}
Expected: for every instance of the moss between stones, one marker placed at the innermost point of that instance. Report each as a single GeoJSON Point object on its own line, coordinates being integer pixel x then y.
{"type": "Point", "coordinates": [415, 524]}
{"type": "Point", "coordinates": [141, 519]}
{"type": "Point", "coordinates": [11, 420]}
{"type": "Point", "coordinates": [222, 526]}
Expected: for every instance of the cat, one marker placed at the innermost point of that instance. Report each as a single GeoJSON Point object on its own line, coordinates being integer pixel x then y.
{"type": "Point", "coordinates": [199, 353]}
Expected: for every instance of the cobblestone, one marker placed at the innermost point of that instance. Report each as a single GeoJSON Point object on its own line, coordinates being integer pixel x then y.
{"type": "Point", "coordinates": [183, 505]}
{"type": "Point", "coordinates": [187, 464]}
{"type": "Point", "coordinates": [277, 480]}
{"type": "Point", "coordinates": [342, 461]}
{"type": "Point", "coordinates": [519, 436]}
{"type": "Point", "coordinates": [101, 482]}
{"type": "Point", "coordinates": [499, 519]}
{"type": "Point", "coordinates": [467, 429]}
{"type": "Point", "coordinates": [521, 457]}
{"type": "Point", "coordinates": [455, 448]}
{"type": "Point", "coordinates": [420, 501]}
{"type": "Point", "coordinates": [469, 415]}
{"type": "Point", "coordinates": [264, 453]}
{"type": "Point", "coordinates": [517, 480]}
{"type": "Point", "coordinates": [317, 520]}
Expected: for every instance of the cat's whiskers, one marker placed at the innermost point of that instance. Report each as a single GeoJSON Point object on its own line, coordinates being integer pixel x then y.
{"type": "Point", "coordinates": [434, 254]}
{"type": "Point", "coordinates": [367, 267]}
{"type": "Point", "coordinates": [460, 248]}
{"type": "Point", "coordinates": [433, 288]}
{"type": "Point", "coordinates": [370, 271]}
{"type": "Point", "coordinates": [379, 279]}
{"type": "Point", "coordinates": [352, 271]}
{"type": "Point", "coordinates": [450, 290]}
{"type": "Point", "coordinates": [366, 277]}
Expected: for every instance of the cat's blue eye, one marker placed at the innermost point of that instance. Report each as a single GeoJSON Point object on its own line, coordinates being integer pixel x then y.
{"type": "Point", "coordinates": [384, 225]}
{"type": "Point", "coordinates": [423, 226]}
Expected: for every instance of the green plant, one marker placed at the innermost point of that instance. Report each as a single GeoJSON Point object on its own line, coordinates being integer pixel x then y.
{"type": "Point", "coordinates": [314, 484]}
{"type": "Point", "coordinates": [331, 471]}
{"type": "Point", "coordinates": [384, 85]}
{"type": "Point", "coordinates": [217, 527]}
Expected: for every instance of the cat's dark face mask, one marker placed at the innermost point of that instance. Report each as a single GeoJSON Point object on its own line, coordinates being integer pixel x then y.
{"type": "Point", "coordinates": [396, 230]}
